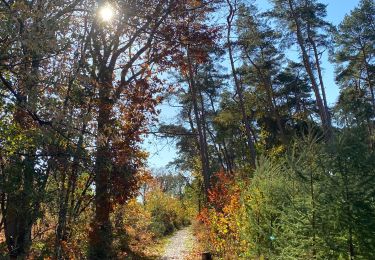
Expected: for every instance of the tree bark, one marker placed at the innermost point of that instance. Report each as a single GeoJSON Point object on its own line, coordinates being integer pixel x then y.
{"type": "Point", "coordinates": [320, 76]}
{"type": "Point", "coordinates": [202, 142]}
{"type": "Point", "coordinates": [22, 204]}
{"type": "Point", "coordinates": [19, 216]}
{"type": "Point", "coordinates": [368, 74]}
{"type": "Point", "coordinates": [101, 234]}
{"type": "Point", "coordinates": [245, 118]}
{"type": "Point", "coordinates": [323, 113]}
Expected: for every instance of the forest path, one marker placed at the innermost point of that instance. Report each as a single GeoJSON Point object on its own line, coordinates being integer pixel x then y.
{"type": "Point", "coordinates": [180, 246]}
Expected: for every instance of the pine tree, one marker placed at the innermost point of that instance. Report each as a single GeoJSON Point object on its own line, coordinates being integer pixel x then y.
{"type": "Point", "coordinates": [354, 53]}
{"type": "Point", "coordinates": [311, 33]}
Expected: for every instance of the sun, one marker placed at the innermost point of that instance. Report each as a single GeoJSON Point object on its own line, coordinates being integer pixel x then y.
{"type": "Point", "coordinates": [106, 13]}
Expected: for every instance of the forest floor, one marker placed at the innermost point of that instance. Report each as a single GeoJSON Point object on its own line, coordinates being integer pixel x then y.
{"type": "Point", "coordinates": [182, 245]}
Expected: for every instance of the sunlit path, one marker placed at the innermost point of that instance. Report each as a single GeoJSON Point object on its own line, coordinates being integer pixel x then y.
{"type": "Point", "coordinates": [180, 246]}
{"type": "Point", "coordinates": [124, 122]}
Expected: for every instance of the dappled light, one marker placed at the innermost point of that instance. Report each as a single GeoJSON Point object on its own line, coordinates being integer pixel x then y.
{"type": "Point", "coordinates": [187, 130]}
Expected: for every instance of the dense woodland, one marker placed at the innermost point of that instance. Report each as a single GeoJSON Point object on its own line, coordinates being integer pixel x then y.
{"type": "Point", "coordinates": [267, 167]}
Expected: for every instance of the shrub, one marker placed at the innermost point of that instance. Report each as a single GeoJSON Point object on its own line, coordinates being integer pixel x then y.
{"type": "Point", "coordinates": [132, 228]}
{"type": "Point", "coordinates": [223, 218]}
{"type": "Point", "coordinates": [168, 213]}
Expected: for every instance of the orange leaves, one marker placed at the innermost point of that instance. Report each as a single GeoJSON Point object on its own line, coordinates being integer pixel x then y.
{"type": "Point", "coordinates": [224, 219]}
{"type": "Point", "coordinates": [221, 192]}
{"type": "Point", "coordinates": [135, 112]}
{"type": "Point", "coordinates": [131, 223]}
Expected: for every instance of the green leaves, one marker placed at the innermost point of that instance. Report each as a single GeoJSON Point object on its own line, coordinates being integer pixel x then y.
{"type": "Point", "coordinates": [315, 201]}
{"type": "Point", "coordinates": [354, 58]}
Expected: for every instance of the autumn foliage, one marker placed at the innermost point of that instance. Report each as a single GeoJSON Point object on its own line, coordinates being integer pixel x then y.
{"type": "Point", "coordinates": [223, 216]}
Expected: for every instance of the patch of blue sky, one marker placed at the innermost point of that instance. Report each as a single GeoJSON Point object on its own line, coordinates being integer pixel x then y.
{"type": "Point", "coordinates": [162, 151]}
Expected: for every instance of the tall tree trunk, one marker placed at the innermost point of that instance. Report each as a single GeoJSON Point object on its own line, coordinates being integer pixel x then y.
{"type": "Point", "coordinates": [19, 214]}
{"type": "Point", "coordinates": [66, 196]}
{"type": "Point", "coordinates": [204, 130]}
{"type": "Point", "coordinates": [245, 118]}
{"type": "Point", "coordinates": [22, 204]}
{"type": "Point", "coordinates": [101, 234]}
{"type": "Point", "coordinates": [273, 105]}
{"type": "Point", "coordinates": [202, 142]}
{"type": "Point", "coordinates": [217, 146]}
{"type": "Point", "coordinates": [61, 223]}
{"type": "Point", "coordinates": [368, 75]}
{"type": "Point", "coordinates": [348, 213]}
{"type": "Point", "coordinates": [323, 112]}
{"type": "Point", "coordinates": [320, 76]}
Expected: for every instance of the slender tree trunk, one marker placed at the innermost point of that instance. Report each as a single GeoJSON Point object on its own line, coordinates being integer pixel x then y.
{"type": "Point", "coordinates": [222, 152]}
{"type": "Point", "coordinates": [245, 118]}
{"type": "Point", "coordinates": [275, 109]}
{"type": "Point", "coordinates": [204, 130]}
{"type": "Point", "coordinates": [368, 78]}
{"type": "Point", "coordinates": [320, 76]}
{"type": "Point", "coordinates": [61, 223]}
{"type": "Point", "coordinates": [229, 158]}
{"type": "Point", "coordinates": [67, 196]}
{"type": "Point", "coordinates": [306, 61]}
{"type": "Point", "coordinates": [217, 146]}
{"type": "Point", "coordinates": [201, 136]}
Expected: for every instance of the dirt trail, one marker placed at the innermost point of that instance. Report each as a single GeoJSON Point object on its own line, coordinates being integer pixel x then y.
{"type": "Point", "coordinates": [181, 244]}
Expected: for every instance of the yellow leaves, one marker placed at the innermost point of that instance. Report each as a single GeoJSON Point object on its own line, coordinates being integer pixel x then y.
{"type": "Point", "coordinates": [277, 151]}
{"type": "Point", "coordinates": [15, 138]}
{"type": "Point", "coordinates": [225, 223]}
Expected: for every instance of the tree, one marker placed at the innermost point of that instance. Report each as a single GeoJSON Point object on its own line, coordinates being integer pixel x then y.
{"type": "Point", "coordinates": [195, 70]}
{"type": "Point", "coordinates": [305, 20]}
{"type": "Point", "coordinates": [354, 55]}
{"type": "Point", "coordinates": [233, 6]}
{"type": "Point", "coordinates": [258, 43]}
{"type": "Point", "coordinates": [351, 177]}
{"type": "Point", "coordinates": [354, 58]}
{"type": "Point", "coordinates": [127, 100]}
{"type": "Point", "coordinates": [29, 41]}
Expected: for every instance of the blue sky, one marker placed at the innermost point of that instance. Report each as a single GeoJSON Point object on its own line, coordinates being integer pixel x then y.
{"type": "Point", "coordinates": [163, 151]}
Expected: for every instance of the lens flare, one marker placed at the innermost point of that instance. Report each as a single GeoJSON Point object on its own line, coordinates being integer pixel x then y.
{"type": "Point", "coordinates": [106, 13]}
